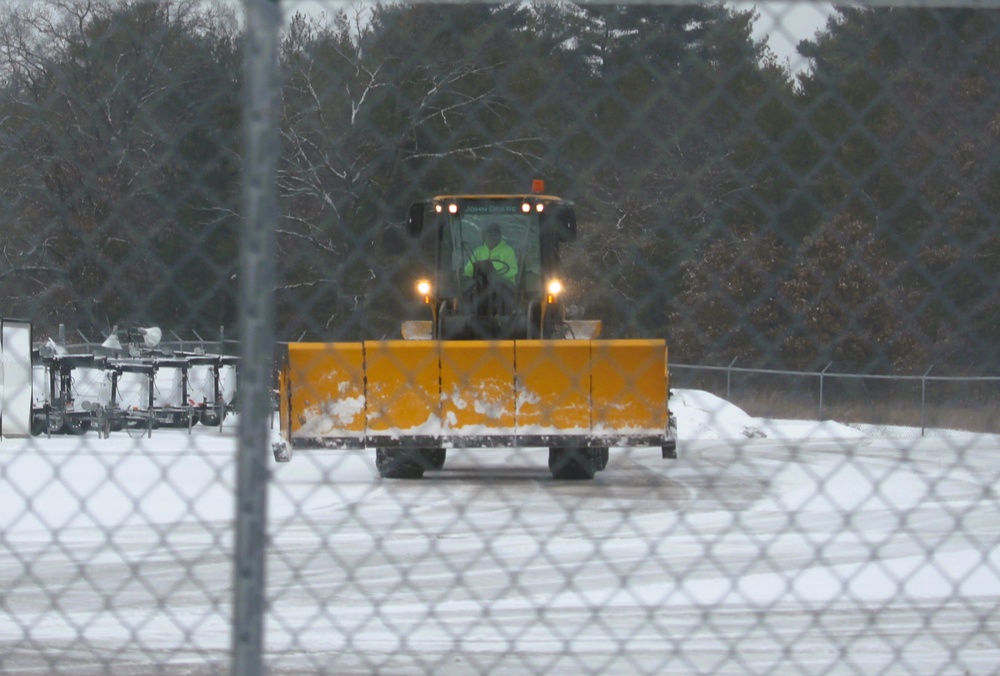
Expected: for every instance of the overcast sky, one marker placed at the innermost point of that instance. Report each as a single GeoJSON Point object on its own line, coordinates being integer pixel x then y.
{"type": "Point", "coordinates": [786, 23]}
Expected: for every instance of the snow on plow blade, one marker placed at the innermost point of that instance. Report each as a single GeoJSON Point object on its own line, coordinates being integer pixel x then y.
{"type": "Point", "coordinates": [467, 394]}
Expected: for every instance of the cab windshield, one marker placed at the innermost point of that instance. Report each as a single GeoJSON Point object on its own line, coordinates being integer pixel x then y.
{"type": "Point", "coordinates": [466, 232]}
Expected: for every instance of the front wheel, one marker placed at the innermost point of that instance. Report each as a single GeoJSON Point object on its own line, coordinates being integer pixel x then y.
{"type": "Point", "coordinates": [573, 464]}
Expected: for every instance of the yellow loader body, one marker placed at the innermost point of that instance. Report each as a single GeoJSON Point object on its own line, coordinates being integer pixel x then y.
{"type": "Point", "coordinates": [476, 393]}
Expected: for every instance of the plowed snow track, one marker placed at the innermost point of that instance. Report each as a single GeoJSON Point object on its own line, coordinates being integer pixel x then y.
{"type": "Point", "coordinates": [742, 556]}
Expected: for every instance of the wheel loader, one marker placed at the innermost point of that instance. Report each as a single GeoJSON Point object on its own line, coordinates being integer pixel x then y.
{"type": "Point", "coordinates": [494, 363]}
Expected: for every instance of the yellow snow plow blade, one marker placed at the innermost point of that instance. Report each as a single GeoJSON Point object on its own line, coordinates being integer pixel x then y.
{"type": "Point", "coordinates": [415, 394]}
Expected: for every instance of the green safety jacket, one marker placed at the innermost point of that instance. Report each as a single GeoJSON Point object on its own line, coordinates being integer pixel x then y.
{"type": "Point", "coordinates": [502, 252]}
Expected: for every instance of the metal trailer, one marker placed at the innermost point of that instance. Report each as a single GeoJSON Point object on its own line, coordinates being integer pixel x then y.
{"type": "Point", "coordinates": [73, 393]}
{"type": "Point", "coordinates": [171, 401]}
{"type": "Point", "coordinates": [213, 382]}
{"type": "Point", "coordinates": [131, 403]}
{"type": "Point", "coordinates": [58, 412]}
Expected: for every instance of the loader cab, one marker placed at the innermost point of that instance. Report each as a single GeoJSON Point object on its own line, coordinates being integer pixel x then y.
{"type": "Point", "coordinates": [482, 289]}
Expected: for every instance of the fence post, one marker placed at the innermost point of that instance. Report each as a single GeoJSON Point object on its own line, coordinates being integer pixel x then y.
{"type": "Point", "coordinates": [923, 398]}
{"type": "Point", "coordinates": [729, 377]}
{"type": "Point", "coordinates": [260, 214]}
{"type": "Point", "coordinates": [821, 376]}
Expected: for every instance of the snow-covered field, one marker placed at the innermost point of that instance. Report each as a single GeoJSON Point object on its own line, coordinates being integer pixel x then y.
{"type": "Point", "coordinates": [768, 546]}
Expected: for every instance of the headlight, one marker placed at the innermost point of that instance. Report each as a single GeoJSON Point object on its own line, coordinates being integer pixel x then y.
{"type": "Point", "coordinates": [554, 288]}
{"type": "Point", "coordinates": [424, 287]}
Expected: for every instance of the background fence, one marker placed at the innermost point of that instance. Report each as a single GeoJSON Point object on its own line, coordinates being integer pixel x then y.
{"type": "Point", "coordinates": [884, 404]}
{"type": "Point", "coordinates": [822, 205]}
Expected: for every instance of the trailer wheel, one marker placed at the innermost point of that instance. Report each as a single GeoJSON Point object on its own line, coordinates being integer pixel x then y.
{"type": "Point", "coordinates": [400, 463]}
{"type": "Point", "coordinates": [38, 426]}
{"type": "Point", "coordinates": [76, 426]}
{"type": "Point", "coordinates": [576, 463]}
{"type": "Point", "coordinates": [174, 419]}
{"type": "Point", "coordinates": [139, 427]}
{"type": "Point", "coordinates": [434, 458]}
{"type": "Point", "coordinates": [601, 456]}
{"type": "Point", "coordinates": [210, 419]}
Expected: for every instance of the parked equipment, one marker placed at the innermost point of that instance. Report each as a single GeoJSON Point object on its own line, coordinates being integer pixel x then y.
{"type": "Point", "coordinates": [496, 364]}
{"type": "Point", "coordinates": [58, 411]}
{"type": "Point", "coordinates": [138, 388]}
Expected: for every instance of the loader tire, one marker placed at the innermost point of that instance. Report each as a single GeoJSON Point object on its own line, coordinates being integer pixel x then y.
{"type": "Point", "coordinates": [400, 463]}
{"type": "Point", "coordinates": [601, 456]}
{"type": "Point", "coordinates": [574, 464]}
{"type": "Point", "coordinates": [434, 458]}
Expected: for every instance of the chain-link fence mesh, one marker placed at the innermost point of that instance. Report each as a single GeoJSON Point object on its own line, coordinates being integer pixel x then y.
{"type": "Point", "coordinates": [801, 201]}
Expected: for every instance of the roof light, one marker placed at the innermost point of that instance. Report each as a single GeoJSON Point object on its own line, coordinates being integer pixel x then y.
{"type": "Point", "coordinates": [540, 207]}
{"type": "Point", "coordinates": [538, 186]}
{"type": "Point", "coordinates": [526, 208]}
{"type": "Point", "coordinates": [452, 208]}
{"type": "Point", "coordinates": [438, 208]}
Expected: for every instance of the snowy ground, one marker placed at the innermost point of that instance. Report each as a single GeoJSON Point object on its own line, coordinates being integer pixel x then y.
{"type": "Point", "coordinates": [769, 545]}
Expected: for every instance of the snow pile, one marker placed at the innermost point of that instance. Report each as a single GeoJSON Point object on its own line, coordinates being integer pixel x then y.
{"type": "Point", "coordinates": [701, 415]}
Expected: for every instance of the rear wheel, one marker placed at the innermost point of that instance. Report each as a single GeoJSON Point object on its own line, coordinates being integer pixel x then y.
{"type": "Point", "coordinates": [574, 463]}
{"type": "Point", "coordinates": [434, 458]}
{"type": "Point", "coordinates": [601, 456]}
{"type": "Point", "coordinates": [400, 463]}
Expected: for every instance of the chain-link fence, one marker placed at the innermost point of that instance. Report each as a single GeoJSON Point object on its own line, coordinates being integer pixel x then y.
{"type": "Point", "coordinates": [792, 209]}
{"type": "Point", "coordinates": [882, 404]}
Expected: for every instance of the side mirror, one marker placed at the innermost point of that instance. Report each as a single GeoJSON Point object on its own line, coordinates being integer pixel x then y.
{"type": "Point", "coordinates": [566, 224]}
{"type": "Point", "coordinates": [415, 221]}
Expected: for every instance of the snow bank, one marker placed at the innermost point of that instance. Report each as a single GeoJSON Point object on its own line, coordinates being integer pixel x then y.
{"type": "Point", "coordinates": [702, 415]}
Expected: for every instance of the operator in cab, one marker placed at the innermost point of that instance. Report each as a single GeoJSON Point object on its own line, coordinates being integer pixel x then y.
{"type": "Point", "coordinates": [495, 249]}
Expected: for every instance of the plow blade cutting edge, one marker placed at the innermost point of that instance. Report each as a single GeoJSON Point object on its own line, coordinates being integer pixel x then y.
{"type": "Point", "coordinates": [469, 394]}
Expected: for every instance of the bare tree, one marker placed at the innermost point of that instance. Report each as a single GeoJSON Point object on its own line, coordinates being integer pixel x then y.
{"type": "Point", "coordinates": [105, 106]}
{"type": "Point", "coordinates": [359, 121]}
